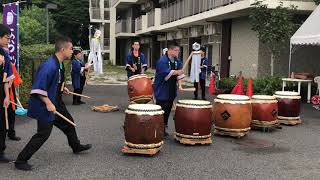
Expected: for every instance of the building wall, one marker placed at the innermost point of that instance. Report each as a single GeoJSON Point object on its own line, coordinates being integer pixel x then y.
{"type": "Point", "coordinates": [244, 48]}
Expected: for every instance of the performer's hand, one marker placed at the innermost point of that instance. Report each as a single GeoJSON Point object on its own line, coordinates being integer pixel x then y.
{"type": "Point", "coordinates": [135, 66]}
{"type": "Point", "coordinates": [132, 69]}
{"type": "Point", "coordinates": [180, 88]}
{"type": "Point", "coordinates": [66, 90]}
{"type": "Point", "coordinates": [51, 107]}
{"type": "Point", "coordinates": [1, 59]}
{"type": "Point", "coordinates": [178, 72]}
{"type": "Point", "coordinates": [6, 102]}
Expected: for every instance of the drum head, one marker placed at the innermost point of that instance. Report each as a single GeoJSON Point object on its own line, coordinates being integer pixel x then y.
{"type": "Point", "coordinates": [138, 76]}
{"type": "Point", "coordinates": [263, 97]}
{"type": "Point", "coordinates": [194, 102]}
{"type": "Point", "coordinates": [287, 93]}
{"type": "Point", "coordinates": [144, 107]}
{"type": "Point", "coordinates": [233, 97]}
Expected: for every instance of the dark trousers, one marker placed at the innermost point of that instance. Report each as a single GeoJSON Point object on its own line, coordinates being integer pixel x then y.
{"type": "Point", "coordinates": [12, 120]}
{"type": "Point", "coordinates": [3, 131]}
{"type": "Point", "coordinates": [166, 106]}
{"type": "Point", "coordinates": [44, 131]}
{"type": "Point", "coordinates": [203, 88]}
{"type": "Point", "coordinates": [79, 90]}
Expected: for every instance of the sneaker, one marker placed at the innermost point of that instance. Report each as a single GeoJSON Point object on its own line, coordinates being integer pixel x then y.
{"type": "Point", "coordinates": [75, 103]}
{"type": "Point", "coordinates": [24, 166]}
{"type": "Point", "coordinates": [82, 148]}
{"type": "Point", "coordinates": [81, 102]}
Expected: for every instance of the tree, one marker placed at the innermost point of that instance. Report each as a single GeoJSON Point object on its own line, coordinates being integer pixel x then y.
{"type": "Point", "coordinates": [274, 27]}
{"type": "Point", "coordinates": [317, 2]}
{"type": "Point", "coordinates": [72, 19]}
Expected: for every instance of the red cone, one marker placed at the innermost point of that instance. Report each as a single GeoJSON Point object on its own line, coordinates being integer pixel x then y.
{"type": "Point", "coordinates": [249, 88]}
{"type": "Point", "coordinates": [238, 87]}
{"type": "Point", "coordinates": [211, 85]}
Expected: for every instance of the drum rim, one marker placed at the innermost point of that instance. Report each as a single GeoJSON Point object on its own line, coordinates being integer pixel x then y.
{"type": "Point", "coordinates": [291, 93]}
{"type": "Point", "coordinates": [137, 75]}
{"type": "Point", "coordinates": [190, 104]}
{"type": "Point", "coordinates": [255, 97]}
{"type": "Point", "coordinates": [232, 99]}
{"type": "Point", "coordinates": [144, 110]}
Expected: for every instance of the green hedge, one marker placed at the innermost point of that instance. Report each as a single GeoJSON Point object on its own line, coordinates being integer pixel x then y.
{"type": "Point", "coordinates": [30, 58]}
{"type": "Point", "coordinates": [266, 86]}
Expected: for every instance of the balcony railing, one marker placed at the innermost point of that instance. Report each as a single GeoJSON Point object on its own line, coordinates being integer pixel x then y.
{"type": "Point", "coordinates": [106, 43]}
{"type": "Point", "coordinates": [138, 23]}
{"type": "Point", "coordinates": [184, 8]}
{"type": "Point", "coordinates": [125, 26]}
{"type": "Point", "coordinates": [106, 3]}
{"type": "Point", "coordinates": [151, 18]}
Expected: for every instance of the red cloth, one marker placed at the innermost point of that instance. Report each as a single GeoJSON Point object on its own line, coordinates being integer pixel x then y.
{"type": "Point", "coordinates": [238, 88]}
{"type": "Point", "coordinates": [16, 82]}
{"type": "Point", "coordinates": [249, 88]}
{"type": "Point", "coordinates": [211, 85]}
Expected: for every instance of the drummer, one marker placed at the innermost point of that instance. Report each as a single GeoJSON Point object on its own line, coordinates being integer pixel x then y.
{"type": "Point", "coordinates": [168, 78]}
{"type": "Point", "coordinates": [136, 62]}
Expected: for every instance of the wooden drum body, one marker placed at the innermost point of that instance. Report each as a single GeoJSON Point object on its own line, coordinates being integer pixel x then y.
{"type": "Point", "coordinates": [232, 115]}
{"type": "Point", "coordinates": [289, 107]}
{"type": "Point", "coordinates": [140, 89]}
{"type": "Point", "coordinates": [264, 111]}
{"type": "Point", "coordinates": [193, 119]}
{"type": "Point", "coordinates": [143, 126]}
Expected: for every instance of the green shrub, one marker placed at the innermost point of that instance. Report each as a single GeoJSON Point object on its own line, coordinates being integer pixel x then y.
{"type": "Point", "coordinates": [265, 86]}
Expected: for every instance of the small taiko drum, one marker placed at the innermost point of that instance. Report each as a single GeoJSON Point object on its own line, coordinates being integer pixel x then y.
{"type": "Point", "coordinates": [140, 89]}
{"type": "Point", "coordinates": [232, 115]}
{"type": "Point", "coordinates": [264, 111]}
{"type": "Point", "coordinates": [193, 120]}
{"type": "Point", "coordinates": [289, 107]}
{"type": "Point", "coordinates": [144, 126]}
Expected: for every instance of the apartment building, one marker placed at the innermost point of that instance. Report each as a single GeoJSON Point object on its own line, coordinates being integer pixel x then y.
{"type": "Point", "coordinates": [99, 11]}
{"type": "Point", "coordinates": [220, 25]}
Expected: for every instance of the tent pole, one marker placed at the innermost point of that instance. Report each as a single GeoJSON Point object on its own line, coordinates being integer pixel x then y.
{"type": "Point", "coordinates": [290, 60]}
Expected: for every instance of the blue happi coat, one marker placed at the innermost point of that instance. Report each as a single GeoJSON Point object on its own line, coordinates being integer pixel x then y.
{"type": "Point", "coordinates": [45, 83]}
{"type": "Point", "coordinates": [76, 72]}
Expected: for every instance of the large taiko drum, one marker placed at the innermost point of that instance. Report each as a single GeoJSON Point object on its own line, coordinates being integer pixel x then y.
{"type": "Point", "coordinates": [289, 107]}
{"type": "Point", "coordinates": [140, 89]}
{"type": "Point", "coordinates": [264, 111]}
{"type": "Point", "coordinates": [143, 126]}
{"type": "Point", "coordinates": [232, 115]}
{"type": "Point", "coordinates": [193, 120]}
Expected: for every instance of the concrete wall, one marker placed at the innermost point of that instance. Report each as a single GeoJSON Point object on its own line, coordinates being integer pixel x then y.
{"type": "Point", "coordinates": [244, 48]}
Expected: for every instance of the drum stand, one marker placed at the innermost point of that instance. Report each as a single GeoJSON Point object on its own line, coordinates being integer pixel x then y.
{"type": "Point", "coordinates": [130, 150]}
{"type": "Point", "coordinates": [231, 132]}
{"type": "Point", "coordinates": [289, 120]}
{"type": "Point", "coordinates": [192, 141]}
{"type": "Point", "coordinates": [265, 126]}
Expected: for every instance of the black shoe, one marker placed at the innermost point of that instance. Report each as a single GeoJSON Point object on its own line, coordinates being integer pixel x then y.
{"type": "Point", "coordinates": [24, 166]}
{"type": "Point", "coordinates": [14, 137]}
{"type": "Point", "coordinates": [195, 98]}
{"type": "Point", "coordinates": [4, 159]}
{"type": "Point", "coordinates": [204, 99]}
{"type": "Point", "coordinates": [82, 148]}
{"type": "Point", "coordinates": [75, 103]}
{"type": "Point", "coordinates": [81, 102]}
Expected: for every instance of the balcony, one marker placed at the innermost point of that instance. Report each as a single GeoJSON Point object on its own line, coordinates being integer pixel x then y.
{"type": "Point", "coordinates": [151, 18]}
{"type": "Point", "coordinates": [125, 28]}
{"type": "Point", "coordinates": [106, 43]}
{"type": "Point", "coordinates": [185, 8]}
{"type": "Point", "coordinates": [138, 23]}
{"type": "Point", "coordinates": [122, 3]}
{"type": "Point", "coordinates": [95, 14]}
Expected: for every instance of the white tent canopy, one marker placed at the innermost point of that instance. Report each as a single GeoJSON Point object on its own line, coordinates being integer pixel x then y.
{"type": "Point", "coordinates": [308, 33]}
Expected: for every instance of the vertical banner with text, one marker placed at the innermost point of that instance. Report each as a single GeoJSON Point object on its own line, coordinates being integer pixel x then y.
{"type": "Point", "coordinates": [11, 19]}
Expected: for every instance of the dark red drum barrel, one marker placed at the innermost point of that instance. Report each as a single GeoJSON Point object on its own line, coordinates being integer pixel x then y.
{"type": "Point", "coordinates": [193, 119]}
{"type": "Point", "coordinates": [144, 126]}
{"type": "Point", "coordinates": [232, 114]}
{"type": "Point", "coordinates": [264, 111]}
{"type": "Point", "coordinates": [140, 89]}
{"type": "Point", "coordinates": [289, 107]}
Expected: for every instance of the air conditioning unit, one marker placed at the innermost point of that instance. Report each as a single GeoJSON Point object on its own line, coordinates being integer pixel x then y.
{"type": "Point", "coordinates": [171, 35]}
{"type": "Point", "coordinates": [214, 39]}
{"type": "Point", "coordinates": [204, 40]}
{"type": "Point", "coordinates": [213, 28]}
{"type": "Point", "coordinates": [182, 34]}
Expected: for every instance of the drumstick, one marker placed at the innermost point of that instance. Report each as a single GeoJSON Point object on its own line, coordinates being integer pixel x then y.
{"type": "Point", "coordinates": [6, 118]}
{"type": "Point", "coordinates": [76, 94]}
{"type": "Point", "coordinates": [64, 118]}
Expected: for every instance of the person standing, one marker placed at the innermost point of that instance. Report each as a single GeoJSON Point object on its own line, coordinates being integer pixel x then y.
{"type": "Point", "coordinates": [167, 81]}
{"type": "Point", "coordinates": [202, 75]}
{"type": "Point", "coordinates": [136, 62]}
{"type": "Point", "coordinates": [45, 100]}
